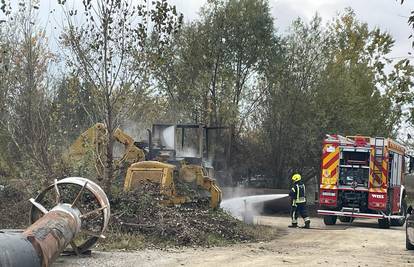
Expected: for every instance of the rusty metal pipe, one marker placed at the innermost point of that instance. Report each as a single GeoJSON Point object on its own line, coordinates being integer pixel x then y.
{"type": "Point", "coordinates": [42, 242]}
{"type": "Point", "coordinates": [48, 237]}
{"type": "Point", "coordinates": [17, 251]}
{"type": "Point", "coordinates": [52, 233]}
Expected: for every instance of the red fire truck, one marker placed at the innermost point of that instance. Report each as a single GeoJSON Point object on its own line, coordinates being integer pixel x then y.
{"type": "Point", "coordinates": [362, 177]}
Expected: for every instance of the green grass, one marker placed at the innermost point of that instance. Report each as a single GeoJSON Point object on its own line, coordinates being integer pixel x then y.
{"type": "Point", "coordinates": [261, 232]}
{"type": "Point", "coordinates": [121, 241]}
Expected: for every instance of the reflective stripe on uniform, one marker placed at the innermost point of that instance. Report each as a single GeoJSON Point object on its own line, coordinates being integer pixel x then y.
{"type": "Point", "coordinates": [300, 199]}
{"type": "Point", "coordinates": [294, 219]}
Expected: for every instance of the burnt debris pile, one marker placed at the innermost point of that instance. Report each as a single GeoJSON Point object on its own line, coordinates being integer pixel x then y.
{"type": "Point", "coordinates": [192, 224]}
{"type": "Point", "coordinates": [140, 216]}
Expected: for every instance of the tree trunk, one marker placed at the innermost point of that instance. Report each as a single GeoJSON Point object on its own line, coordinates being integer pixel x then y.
{"type": "Point", "coordinates": [109, 168]}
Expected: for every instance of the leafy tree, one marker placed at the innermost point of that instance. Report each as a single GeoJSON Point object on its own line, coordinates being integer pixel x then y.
{"type": "Point", "coordinates": [356, 71]}
{"type": "Point", "coordinates": [129, 64]}
{"type": "Point", "coordinates": [24, 70]}
{"type": "Point", "coordinates": [106, 50]}
{"type": "Point", "coordinates": [330, 80]}
{"type": "Point", "coordinates": [288, 116]}
{"type": "Point", "coordinates": [215, 63]}
{"type": "Point", "coordinates": [402, 92]}
{"type": "Point", "coordinates": [73, 103]}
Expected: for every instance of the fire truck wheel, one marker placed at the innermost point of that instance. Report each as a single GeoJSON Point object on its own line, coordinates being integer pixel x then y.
{"type": "Point", "coordinates": [384, 223]}
{"type": "Point", "coordinates": [403, 212]}
{"type": "Point", "coordinates": [346, 219]}
{"type": "Point", "coordinates": [329, 220]}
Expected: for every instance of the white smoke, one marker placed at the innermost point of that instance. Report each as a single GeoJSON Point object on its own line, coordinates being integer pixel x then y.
{"type": "Point", "coordinates": [138, 131]}
{"type": "Point", "coordinates": [168, 137]}
{"type": "Point", "coordinates": [248, 206]}
{"type": "Point", "coordinates": [188, 152]}
{"type": "Point", "coordinates": [209, 162]}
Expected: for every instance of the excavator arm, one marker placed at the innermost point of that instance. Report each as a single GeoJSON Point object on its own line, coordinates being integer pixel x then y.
{"type": "Point", "coordinates": [132, 153]}
{"type": "Point", "coordinates": [211, 185]}
{"type": "Point", "coordinates": [95, 139]}
{"type": "Point", "coordinates": [191, 173]}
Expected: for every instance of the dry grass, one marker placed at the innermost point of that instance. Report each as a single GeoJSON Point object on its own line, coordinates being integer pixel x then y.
{"type": "Point", "coordinates": [137, 241]}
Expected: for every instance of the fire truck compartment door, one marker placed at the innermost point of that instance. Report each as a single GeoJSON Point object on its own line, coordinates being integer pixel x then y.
{"type": "Point", "coordinates": [396, 191]}
{"type": "Point", "coordinates": [330, 164]}
{"type": "Point", "coordinates": [396, 169]}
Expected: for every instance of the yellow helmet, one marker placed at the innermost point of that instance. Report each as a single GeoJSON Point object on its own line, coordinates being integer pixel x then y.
{"type": "Point", "coordinates": [296, 177]}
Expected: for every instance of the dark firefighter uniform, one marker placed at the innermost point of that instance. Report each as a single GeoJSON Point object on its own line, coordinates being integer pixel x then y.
{"type": "Point", "coordinates": [298, 196]}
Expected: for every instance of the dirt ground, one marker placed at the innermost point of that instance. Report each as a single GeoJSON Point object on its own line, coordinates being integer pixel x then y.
{"type": "Point", "coordinates": [360, 244]}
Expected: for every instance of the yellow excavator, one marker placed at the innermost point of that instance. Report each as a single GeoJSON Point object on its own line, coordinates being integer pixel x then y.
{"type": "Point", "coordinates": [94, 140]}
{"type": "Point", "coordinates": [162, 162]}
{"type": "Point", "coordinates": [166, 174]}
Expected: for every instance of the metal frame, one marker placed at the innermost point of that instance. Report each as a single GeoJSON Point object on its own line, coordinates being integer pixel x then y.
{"type": "Point", "coordinates": [358, 214]}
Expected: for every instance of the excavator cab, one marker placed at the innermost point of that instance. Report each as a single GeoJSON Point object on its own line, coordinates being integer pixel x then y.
{"type": "Point", "coordinates": [176, 148]}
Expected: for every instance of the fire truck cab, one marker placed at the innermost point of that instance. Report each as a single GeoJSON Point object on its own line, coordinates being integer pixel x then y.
{"type": "Point", "coordinates": [363, 177]}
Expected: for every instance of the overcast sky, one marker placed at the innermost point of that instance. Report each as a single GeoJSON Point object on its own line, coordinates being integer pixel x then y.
{"type": "Point", "coordinates": [388, 15]}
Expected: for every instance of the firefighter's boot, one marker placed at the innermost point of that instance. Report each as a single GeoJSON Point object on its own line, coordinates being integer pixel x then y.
{"type": "Point", "coordinates": [307, 224]}
{"type": "Point", "coordinates": [293, 225]}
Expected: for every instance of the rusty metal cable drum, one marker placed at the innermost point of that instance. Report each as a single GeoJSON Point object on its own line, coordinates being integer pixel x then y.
{"type": "Point", "coordinates": [84, 195]}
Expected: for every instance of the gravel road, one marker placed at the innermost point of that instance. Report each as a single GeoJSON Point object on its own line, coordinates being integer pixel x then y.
{"type": "Point", "coordinates": [360, 244]}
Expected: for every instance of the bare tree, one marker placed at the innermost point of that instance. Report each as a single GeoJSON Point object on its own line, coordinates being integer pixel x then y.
{"type": "Point", "coordinates": [107, 48]}
{"type": "Point", "coordinates": [24, 63]}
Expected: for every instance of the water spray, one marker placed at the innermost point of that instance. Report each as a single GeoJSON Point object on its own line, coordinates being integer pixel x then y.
{"type": "Point", "coordinates": [245, 208]}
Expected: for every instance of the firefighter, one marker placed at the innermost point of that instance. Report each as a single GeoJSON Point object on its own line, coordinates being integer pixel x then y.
{"type": "Point", "coordinates": [298, 196]}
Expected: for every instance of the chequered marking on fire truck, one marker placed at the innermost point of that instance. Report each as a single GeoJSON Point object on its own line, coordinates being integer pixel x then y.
{"type": "Point", "coordinates": [378, 182]}
{"type": "Point", "coordinates": [330, 163]}
{"type": "Point", "coordinates": [379, 179]}
{"type": "Point", "coordinates": [328, 186]}
{"type": "Point", "coordinates": [378, 190]}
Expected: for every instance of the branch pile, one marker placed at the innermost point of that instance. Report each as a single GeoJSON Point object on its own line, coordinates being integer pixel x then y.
{"type": "Point", "coordinates": [192, 224]}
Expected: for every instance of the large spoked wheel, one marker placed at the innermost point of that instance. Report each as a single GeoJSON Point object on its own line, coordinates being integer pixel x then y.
{"type": "Point", "coordinates": [84, 195]}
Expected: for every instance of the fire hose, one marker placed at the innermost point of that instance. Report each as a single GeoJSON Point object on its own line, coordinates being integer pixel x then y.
{"type": "Point", "coordinates": [73, 212]}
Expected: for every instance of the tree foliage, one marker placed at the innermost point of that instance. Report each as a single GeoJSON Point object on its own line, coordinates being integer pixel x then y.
{"type": "Point", "coordinates": [133, 63]}
{"type": "Point", "coordinates": [331, 80]}
{"type": "Point", "coordinates": [28, 135]}
{"type": "Point", "coordinates": [108, 50]}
